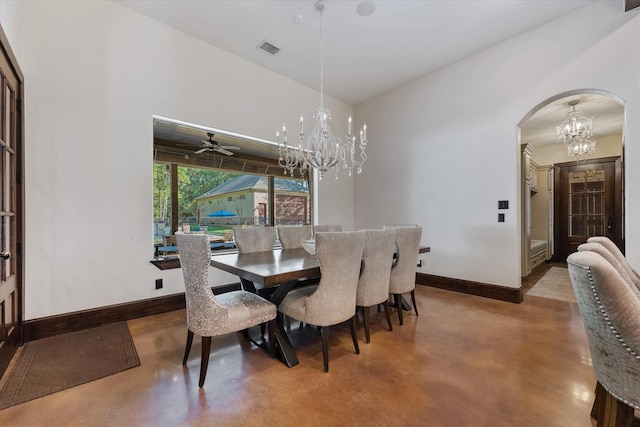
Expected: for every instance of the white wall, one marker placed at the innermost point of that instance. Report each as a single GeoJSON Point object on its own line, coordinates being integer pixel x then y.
{"type": "Point", "coordinates": [444, 147]}
{"type": "Point", "coordinates": [95, 73]}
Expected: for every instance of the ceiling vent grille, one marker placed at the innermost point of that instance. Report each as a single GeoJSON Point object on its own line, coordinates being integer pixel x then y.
{"type": "Point", "coordinates": [268, 47]}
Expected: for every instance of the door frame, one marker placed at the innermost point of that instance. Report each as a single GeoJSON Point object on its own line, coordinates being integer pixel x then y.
{"type": "Point", "coordinates": [529, 115]}
{"type": "Point", "coordinates": [7, 352]}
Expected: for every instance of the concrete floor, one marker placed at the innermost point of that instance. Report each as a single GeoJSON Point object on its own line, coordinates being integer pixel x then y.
{"type": "Point", "coordinates": [465, 361]}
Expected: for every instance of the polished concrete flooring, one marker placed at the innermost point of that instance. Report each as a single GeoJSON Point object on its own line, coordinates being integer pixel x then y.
{"type": "Point", "coordinates": [465, 361]}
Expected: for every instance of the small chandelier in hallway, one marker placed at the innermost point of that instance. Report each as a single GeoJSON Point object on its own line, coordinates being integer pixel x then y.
{"type": "Point", "coordinates": [322, 149]}
{"type": "Point", "coordinates": [575, 131]}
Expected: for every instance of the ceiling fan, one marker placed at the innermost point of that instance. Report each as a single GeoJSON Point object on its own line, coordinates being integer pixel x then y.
{"type": "Point", "coordinates": [211, 145]}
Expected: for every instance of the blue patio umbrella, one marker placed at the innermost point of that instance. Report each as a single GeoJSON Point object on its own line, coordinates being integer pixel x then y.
{"type": "Point", "coordinates": [222, 214]}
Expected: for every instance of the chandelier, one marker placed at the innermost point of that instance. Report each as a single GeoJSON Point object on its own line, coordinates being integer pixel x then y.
{"type": "Point", "coordinates": [575, 131]}
{"type": "Point", "coordinates": [322, 149]}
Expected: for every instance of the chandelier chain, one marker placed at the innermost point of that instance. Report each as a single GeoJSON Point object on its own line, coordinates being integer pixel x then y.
{"type": "Point", "coordinates": [322, 149]}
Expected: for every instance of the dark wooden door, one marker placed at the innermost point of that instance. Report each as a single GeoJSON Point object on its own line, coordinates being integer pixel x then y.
{"type": "Point", "coordinates": [11, 131]}
{"type": "Point", "coordinates": [588, 202]}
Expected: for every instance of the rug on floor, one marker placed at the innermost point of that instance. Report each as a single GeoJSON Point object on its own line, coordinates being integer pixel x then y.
{"type": "Point", "coordinates": [555, 284]}
{"type": "Point", "coordinates": [56, 363]}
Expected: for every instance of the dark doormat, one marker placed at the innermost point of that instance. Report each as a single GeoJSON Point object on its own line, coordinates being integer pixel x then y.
{"type": "Point", "coordinates": [56, 363]}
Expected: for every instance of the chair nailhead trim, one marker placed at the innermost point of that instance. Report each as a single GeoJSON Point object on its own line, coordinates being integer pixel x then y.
{"type": "Point", "coordinates": [615, 332]}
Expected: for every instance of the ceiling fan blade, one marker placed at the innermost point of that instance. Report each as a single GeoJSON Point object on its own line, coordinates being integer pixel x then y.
{"type": "Point", "coordinates": [202, 150]}
{"type": "Point", "coordinates": [208, 142]}
{"type": "Point", "coordinates": [230, 147]}
{"type": "Point", "coordinates": [223, 151]}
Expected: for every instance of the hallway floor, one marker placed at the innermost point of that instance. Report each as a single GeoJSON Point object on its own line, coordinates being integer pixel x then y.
{"type": "Point", "coordinates": [465, 361]}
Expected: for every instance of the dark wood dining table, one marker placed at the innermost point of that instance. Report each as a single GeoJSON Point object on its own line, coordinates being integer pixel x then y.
{"type": "Point", "coordinates": [283, 268]}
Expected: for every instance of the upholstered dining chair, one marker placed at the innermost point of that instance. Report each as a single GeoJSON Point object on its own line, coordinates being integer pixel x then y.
{"type": "Point", "coordinates": [617, 263]}
{"type": "Point", "coordinates": [610, 312]}
{"type": "Point", "coordinates": [333, 300]}
{"type": "Point", "coordinates": [403, 272]}
{"type": "Point", "coordinates": [208, 315]}
{"type": "Point", "coordinates": [253, 239]}
{"type": "Point", "coordinates": [616, 252]}
{"type": "Point", "coordinates": [330, 228]}
{"type": "Point", "coordinates": [373, 284]}
{"type": "Point", "coordinates": [292, 237]}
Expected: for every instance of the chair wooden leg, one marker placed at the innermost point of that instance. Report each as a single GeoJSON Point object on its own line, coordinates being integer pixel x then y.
{"type": "Point", "coordinates": [413, 301]}
{"type": "Point", "coordinates": [271, 327]}
{"type": "Point", "coordinates": [187, 349]}
{"type": "Point", "coordinates": [398, 302]}
{"type": "Point", "coordinates": [204, 359]}
{"type": "Point", "coordinates": [387, 315]}
{"type": "Point", "coordinates": [597, 401]}
{"type": "Point", "coordinates": [354, 337]}
{"type": "Point", "coordinates": [365, 320]}
{"type": "Point", "coordinates": [614, 413]}
{"type": "Point", "coordinates": [324, 331]}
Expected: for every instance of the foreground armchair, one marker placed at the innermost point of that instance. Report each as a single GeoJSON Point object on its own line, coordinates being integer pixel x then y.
{"type": "Point", "coordinates": [611, 314]}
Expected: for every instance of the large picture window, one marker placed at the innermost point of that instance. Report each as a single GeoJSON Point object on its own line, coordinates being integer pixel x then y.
{"type": "Point", "coordinates": [194, 194]}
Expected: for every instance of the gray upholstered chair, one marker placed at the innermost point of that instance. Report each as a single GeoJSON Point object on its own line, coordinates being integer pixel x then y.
{"type": "Point", "coordinates": [611, 314]}
{"type": "Point", "coordinates": [253, 239]}
{"type": "Point", "coordinates": [208, 315]}
{"type": "Point", "coordinates": [616, 252]}
{"type": "Point", "coordinates": [625, 271]}
{"type": "Point", "coordinates": [330, 228]}
{"type": "Point", "coordinates": [403, 272]}
{"type": "Point", "coordinates": [373, 284]}
{"type": "Point", "coordinates": [333, 300]}
{"type": "Point", "coordinates": [292, 237]}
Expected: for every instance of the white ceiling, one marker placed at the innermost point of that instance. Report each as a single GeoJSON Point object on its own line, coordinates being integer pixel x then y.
{"type": "Point", "coordinates": [365, 56]}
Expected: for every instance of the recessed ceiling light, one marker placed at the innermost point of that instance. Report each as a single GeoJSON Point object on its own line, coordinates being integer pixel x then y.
{"type": "Point", "coordinates": [366, 8]}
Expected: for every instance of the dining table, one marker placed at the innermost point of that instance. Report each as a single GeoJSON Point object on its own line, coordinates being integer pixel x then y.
{"type": "Point", "coordinates": [279, 268]}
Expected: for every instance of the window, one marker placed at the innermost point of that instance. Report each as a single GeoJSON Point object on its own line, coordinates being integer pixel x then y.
{"type": "Point", "coordinates": [209, 193]}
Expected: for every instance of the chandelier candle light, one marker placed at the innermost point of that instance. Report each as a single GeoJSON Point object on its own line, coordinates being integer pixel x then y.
{"type": "Point", "coordinates": [575, 131]}
{"type": "Point", "coordinates": [322, 149]}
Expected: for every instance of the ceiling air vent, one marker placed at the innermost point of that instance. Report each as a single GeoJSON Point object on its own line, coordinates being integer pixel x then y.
{"type": "Point", "coordinates": [268, 47]}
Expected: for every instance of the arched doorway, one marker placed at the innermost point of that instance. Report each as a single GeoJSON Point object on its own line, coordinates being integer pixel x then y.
{"type": "Point", "coordinates": [546, 202]}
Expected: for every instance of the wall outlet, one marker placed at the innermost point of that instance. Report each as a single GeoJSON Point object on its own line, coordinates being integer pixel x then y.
{"type": "Point", "coordinates": [158, 283]}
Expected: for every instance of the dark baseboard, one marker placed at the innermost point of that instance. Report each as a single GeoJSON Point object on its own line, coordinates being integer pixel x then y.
{"type": "Point", "coordinates": [502, 293]}
{"type": "Point", "coordinates": [69, 322]}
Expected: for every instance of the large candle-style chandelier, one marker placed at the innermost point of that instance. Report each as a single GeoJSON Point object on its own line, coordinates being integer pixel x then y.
{"type": "Point", "coordinates": [322, 149]}
{"type": "Point", "coordinates": [575, 131]}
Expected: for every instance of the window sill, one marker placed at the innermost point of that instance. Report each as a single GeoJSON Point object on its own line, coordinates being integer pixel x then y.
{"type": "Point", "coordinates": [166, 263]}
{"type": "Point", "coordinates": [171, 262]}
